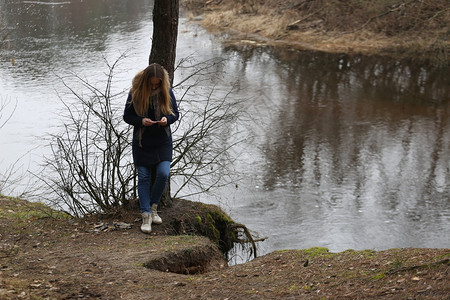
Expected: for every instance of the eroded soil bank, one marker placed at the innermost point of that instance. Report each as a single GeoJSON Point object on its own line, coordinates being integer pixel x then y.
{"type": "Point", "coordinates": [416, 30]}
{"type": "Point", "coordinates": [46, 255]}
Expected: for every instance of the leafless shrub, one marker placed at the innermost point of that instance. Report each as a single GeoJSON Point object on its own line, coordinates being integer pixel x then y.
{"type": "Point", "coordinates": [5, 118]}
{"type": "Point", "coordinates": [207, 131]}
{"type": "Point", "coordinates": [90, 169]}
{"type": "Point", "coordinates": [9, 176]}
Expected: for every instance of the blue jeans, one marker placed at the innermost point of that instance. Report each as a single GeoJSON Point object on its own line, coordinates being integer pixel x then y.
{"type": "Point", "coordinates": [149, 197]}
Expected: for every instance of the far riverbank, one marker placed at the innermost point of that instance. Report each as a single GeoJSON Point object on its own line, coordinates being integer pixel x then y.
{"type": "Point", "coordinates": [413, 30]}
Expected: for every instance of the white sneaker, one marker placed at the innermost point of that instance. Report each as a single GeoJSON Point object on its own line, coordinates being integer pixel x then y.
{"type": "Point", "coordinates": [146, 226]}
{"type": "Point", "coordinates": [155, 218]}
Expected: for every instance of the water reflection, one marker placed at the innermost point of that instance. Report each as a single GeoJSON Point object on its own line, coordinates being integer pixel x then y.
{"type": "Point", "coordinates": [356, 149]}
{"type": "Point", "coordinates": [43, 34]}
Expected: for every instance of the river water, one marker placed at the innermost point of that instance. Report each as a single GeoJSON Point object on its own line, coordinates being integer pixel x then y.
{"type": "Point", "coordinates": [344, 151]}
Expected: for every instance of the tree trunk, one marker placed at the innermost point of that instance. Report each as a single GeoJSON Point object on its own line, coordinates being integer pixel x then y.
{"type": "Point", "coordinates": [164, 45]}
{"type": "Point", "coordinates": [166, 199]}
{"type": "Point", "coordinates": [165, 33]}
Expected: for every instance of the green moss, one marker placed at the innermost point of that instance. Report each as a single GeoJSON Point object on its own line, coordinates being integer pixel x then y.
{"type": "Point", "coordinates": [363, 253]}
{"type": "Point", "coordinates": [443, 256]}
{"type": "Point", "coordinates": [220, 215]}
{"type": "Point", "coordinates": [23, 210]}
{"type": "Point", "coordinates": [368, 253]}
{"type": "Point", "coordinates": [211, 231]}
{"type": "Point", "coordinates": [199, 219]}
{"type": "Point", "coordinates": [316, 251]}
{"type": "Point", "coordinates": [216, 225]}
{"type": "Point", "coordinates": [210, 221]}
{"type": "Point", "coordinates": [396, 264]}
{"type": "Point", "coordinates": [378, 276]}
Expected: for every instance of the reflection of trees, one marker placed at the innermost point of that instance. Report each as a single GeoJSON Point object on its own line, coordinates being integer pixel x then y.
{"type": "Point", "coordinates": [88, 24]}
{"type": "Point", "coordinates": [349, 127]}
{"type": "Point", "coordinates": [76, 18]}
{"type": "Point", "coordinates": [3, 32]}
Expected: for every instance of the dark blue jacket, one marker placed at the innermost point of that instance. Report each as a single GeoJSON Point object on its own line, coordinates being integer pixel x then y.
{"type": "Point", "coordinates": [156, 141]}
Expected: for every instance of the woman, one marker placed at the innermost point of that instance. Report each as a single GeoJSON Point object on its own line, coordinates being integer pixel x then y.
{"type": "Point", "coordinates": [151, 107]}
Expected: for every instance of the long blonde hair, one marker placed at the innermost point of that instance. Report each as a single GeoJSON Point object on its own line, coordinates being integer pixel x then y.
{"type": "Point", "coordinates": [141, 90]}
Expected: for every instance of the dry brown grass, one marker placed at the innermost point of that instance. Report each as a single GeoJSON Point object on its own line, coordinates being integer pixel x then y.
{"type": "Point", "coordinates": [417, 29]}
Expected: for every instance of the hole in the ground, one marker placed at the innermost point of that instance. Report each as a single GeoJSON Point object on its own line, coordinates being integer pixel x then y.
{"type": "Point", "coordinates": [195, 260]}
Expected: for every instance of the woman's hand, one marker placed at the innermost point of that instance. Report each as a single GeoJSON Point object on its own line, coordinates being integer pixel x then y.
{"type": "Point", "coordinates": [147, 122]}
{"type": "Point", "coordinates": [163, 121]}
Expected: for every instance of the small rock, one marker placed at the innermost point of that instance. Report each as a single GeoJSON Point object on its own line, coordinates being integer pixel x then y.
{"type": "Point", "coordinates": [122, 225]}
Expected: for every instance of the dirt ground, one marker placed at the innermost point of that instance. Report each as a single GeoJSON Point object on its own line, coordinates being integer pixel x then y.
{"type": "Point", "coordinates": [46, 255]}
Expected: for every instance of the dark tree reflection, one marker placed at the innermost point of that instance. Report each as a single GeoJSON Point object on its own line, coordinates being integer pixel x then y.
{"type": "Point", "coordinates": [353, 128]}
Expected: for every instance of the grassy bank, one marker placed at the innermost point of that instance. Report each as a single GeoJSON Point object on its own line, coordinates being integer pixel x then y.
{"type": "Point", "coordinates": [416, 30]}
